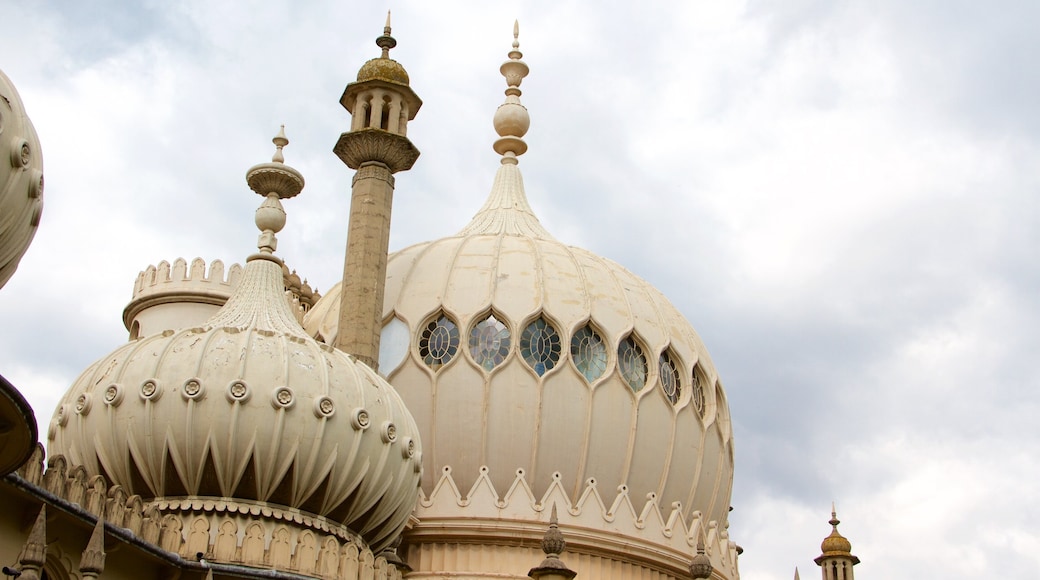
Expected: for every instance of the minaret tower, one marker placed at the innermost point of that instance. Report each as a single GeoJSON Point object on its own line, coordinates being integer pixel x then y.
{"type": "Point", "coordinates": [837, 560]}
{"type": "Point", "coordinates": [380, 103]}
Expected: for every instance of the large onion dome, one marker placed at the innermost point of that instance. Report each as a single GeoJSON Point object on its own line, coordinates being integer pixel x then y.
{"type": "Point", "coordinates": [248, 407]}
{"type": "Point", "coordinates": [518, 352]}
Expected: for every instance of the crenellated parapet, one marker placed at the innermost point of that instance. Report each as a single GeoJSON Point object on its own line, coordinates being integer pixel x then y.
{"type": "Point", "coordinates": [604, 531]}
{"type": "Point", "coordinates": [179, 295]}
{"type": "Point", "coordinates": [224, 531]}
{"type": "Point", "coordinates": [172, 296]}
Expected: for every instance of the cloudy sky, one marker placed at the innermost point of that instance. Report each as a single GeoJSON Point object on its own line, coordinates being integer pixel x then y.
{"type": "Point", "coordinates": [841, 196]}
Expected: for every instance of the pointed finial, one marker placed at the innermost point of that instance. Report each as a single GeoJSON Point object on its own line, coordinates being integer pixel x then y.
{"type": "Point", "coordinates": [553, 545]}
{"type": "Point", "coordinates": [796, 576]}
{"type": "Point", "coordinates": [275, 181]}
{"type": "Point", "coordinates": [92, 561]}
{"type": "Point", "coordinates": [279, 142]}
{"type": "Point", "coordinates": [512, 119]}
{"type": "Point", "coordinates": [386, 42]}
{"type": "Point", "coordinates": [834, 521]}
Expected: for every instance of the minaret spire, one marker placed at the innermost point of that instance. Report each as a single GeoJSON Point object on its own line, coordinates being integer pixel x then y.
{"type": "Point", "coordinates": [380, 103]}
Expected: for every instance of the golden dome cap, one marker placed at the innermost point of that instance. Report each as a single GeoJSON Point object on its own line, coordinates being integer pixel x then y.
{"type": "Point", "coordinates": [384, 68]}
{"type": "Point", "coordinates": [835, 543]}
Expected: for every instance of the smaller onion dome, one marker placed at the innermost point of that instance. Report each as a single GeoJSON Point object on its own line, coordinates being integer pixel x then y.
{"type": "Point", "coordinates": [248, 408]}
{"type": "Point", "coordinates": [384, 68]}
{"type": "Point", "coordinates": [835, 542]}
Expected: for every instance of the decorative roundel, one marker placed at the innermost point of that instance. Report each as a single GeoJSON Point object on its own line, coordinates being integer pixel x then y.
{"type": "Point", "coordinates": [540, 346]}
{"type": "Point", "coordinates": [632, 363]}
{"type": "Point", "coordinates": [359, 418]}
{"type": "Point", "coordinates": [669, 377]}
{"type": "Point", "coordinates": [489, 342]}
{"type": "Point", "coordinates": [237, 392]}
{"type": "Point", "coordinates": [150, 390]}
{"type": "Point", "coordinates": [192, 389]}
{"type": "Point", "coordinates": [83, 403]}
{"type": "Point", "coordinates": [20, 153]}
{"type": "Point", "coordinates": [589, 353]}
{"type": "Point", "coordinates": [408, 449]}
{"type": "Point", "coordinates": [389, 432]}
{"type": "Point", "coordinates": [324, 407]}
{"type": "Point", "coordinates": [113, 395]}
{"type": "Point", "coordinates": [62, 415]}
{"type": "Point", "coordinates": [439, 342]}
{"type": "Point", "coordinates": [283, 398]}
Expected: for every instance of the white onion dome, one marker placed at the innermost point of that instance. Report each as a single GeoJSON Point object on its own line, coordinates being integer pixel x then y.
{"type": "Point", "coordinates": [248, 406]}
{"type": "Point", "coordinates": [21, 180]}
{"type": "Point", "coordinates": [516, 351]}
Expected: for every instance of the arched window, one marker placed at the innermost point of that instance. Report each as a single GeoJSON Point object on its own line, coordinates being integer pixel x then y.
{"type": "Point", "coordinates": [632, 363]}
{"type": "Point", "coordinates": [588, 353]}
{"type": "Point", "coordinates": [540, 346]}
{"type": "Point", "coordinates": [393, 345]}
{"type": "Point", "coordinates": [489, 342]}
{"type": "Point", "coordinates": [669, 377]}
{"type": "Point", "coordinates": [698, 391]}
{"type": "Point", "coordinates": [439, 342]}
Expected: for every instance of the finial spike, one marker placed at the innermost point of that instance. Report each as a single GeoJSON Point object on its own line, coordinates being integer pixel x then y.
{"type": "Point", "coordinates": [552, 518]}
{"type": "Point", "coordinates": [279, 141]}
{"type": "Point", "coordinates": [516, 34]}
{"type": "Point", "coordinates": [386, 42]}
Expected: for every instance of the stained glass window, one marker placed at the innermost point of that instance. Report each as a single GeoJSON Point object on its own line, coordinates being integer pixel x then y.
{"type": "Point", "coordinates": [589, 353]}
{"type": "Point", "coordinates": [669, 376]}
{"type": "Point", "coordinates": [540, 346]}
{"type": "Point", "coordinates": [632, 363]}
{"type": "Point", "coordinates": [489, 342]}
{"type": "Point", "coordinates": [698, 393]}
{"type": "Point", "coordinates": [439, 342]}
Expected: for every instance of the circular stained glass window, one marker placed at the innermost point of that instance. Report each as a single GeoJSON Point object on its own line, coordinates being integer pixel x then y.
{"type": "Point", "coordinates": [589, 353]}
{"type": "Point", "coordinates": [698, 393]}
{"type": "Point", "coordinates": [669, 377]}
{"type": "Point", "coordinates": [489, 342]}
{"type": "Point", "coordinates": [540, 346]}
{"type": "Point", "coordinates": [439, 342]}
{"type": "Point", "coordinates": [632, 363]}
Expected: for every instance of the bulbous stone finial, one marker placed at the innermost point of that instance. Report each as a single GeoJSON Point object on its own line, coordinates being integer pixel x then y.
{"type": "Point", "coordinates": [275, 181]}
{"type": "Point", "coordinates": [512, 119]}
{"type": "Point", "coordinates": [700, 567]}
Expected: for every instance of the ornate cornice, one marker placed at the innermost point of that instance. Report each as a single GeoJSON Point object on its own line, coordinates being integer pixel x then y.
{"type": "Point", "coordinates": [364, 145]}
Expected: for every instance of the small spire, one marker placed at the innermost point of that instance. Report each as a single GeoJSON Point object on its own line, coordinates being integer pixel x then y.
{"type": "Point", "coordinates": [834, 521]}
{"type": "Point", "coordinates": [553, 545]}
{"type": "Point", "coordinates": [796, 576]}
{"type": "Point", "coordinates": [386, 42]}
{"type": "Point", "coordinates": [92, 561]}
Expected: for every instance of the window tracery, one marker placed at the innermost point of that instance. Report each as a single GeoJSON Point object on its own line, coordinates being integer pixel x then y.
{"type": "Point", "coordinates": [540, 346]}
{"type": "Point", "coordinates": [669, 377]}
{"type": "Point", "coordinates": [589, 353]}
{"type": "Point", "coordinates": [439, 342]}
{"type": "Point", "coordinates": [698, 392]}
{"type": "Point", "coordinates": [632, 363]}
{"type": "Point", "coordinates": [489, 342]}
